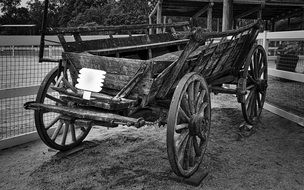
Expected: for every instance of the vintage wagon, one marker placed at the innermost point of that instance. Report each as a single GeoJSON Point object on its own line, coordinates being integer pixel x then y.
{"type": "Point", "coordinates": [162, 73]}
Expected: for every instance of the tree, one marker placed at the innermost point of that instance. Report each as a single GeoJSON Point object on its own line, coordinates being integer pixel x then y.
{"type": "Point", "coordinates": [129, 12]}
{"type": "Point", "coordinates": [36, 8]}
{"type": "Point", "coordinates": [12, 14]}
{"type": "Point", "coordinates": [8, 5]}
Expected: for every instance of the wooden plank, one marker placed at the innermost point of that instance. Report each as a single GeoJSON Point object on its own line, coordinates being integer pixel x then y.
{"type": "Point", "coordinates": [287, 115]}
{"type": "Point", "coordinates": [17, 92]}
{"type": "Point", "coordinates": [86, 114]}
{"type": "Point", "coordinates": [200, 12]}
{"type": "Point", "coordinates": [246, 13]}
{"type": "Point", "coordinates": [286, 75]}
{"type": "Point", "coordinates": [119, 71]}
{"type": "Point", "coordinates": [137, 47]}
{"type": "Point", "coordinates": [170, 75]}
{"type": "Point", "coordinates": [209, 18]}
{"type": "Point", "coordinates": [283, 36]}
{"type": "Point", "coordinates": [227, 15]}
{"type": "Point", "coordinates": [85, 45]}
{"type": "Point", "coordinates": [99, 100]}
{"type": "Point", "coordinates": [159, 17]}
{"type": "Point", "coordinates": [71, 30]}
{"type": "Point", "coordinates": [20, 139]}
{"type": "Point", "coordinates": [111, 65]}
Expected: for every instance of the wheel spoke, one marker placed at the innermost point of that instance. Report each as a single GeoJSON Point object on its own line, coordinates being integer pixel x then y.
{"type": "Point", "coordinates": [65, 133]}
{"type": "Point", "coordinates": [251, 79]}
{"type": "Point", "coordinates": [183, 115]}
{"type": "Point", "coordinates": [200, 100]}
{"type": "Point", "coordinates": [191, 152]}
{"type": "Point", "coordinates": [202, 108]}
{"type": "Point", "coordinates": [254, 106]}
{"type": "Point", "coordinates": [73, 133]}
{"type": "Point", "coordinates": [56, 132]}
{"type": "Point", "coordinates": [196, 91]}
{"type": "Point", "coordinates": [52, 123]}
{"type": "Point", "coordinates": [202, 139]}
{"type": "Point", "coordinates": [261, 60]}
{"type": "Point", "coordinates": [249, 96]}
{"type": "Point", "coordinates": [249, 87]}
{"type": "Point", "coordinates": [259, 100]}
{"type": "Point", "coordinates": [250, 104]}
{"type": "Point", "coordinates": [182, 148]}
{"type": "Point", "coordinates": [190, 92]}
{"type": "Point", "coordinates": [181, 138]}
{"type": "Point", "coordinates": [262, 70]}
{"type": "Point", "coordinates": [59, 80]}
{"type": "Point", "coordinates": [196, 147]}
{"type": "Point", "coordinates": [185, 106]}
{"type": "Point", "coordinates": [251, 66]}
{"type": "Point", "coordinates": [187, 156]}
{"type": "Point", "coordinates": [256, 64]}
{"type": "Point", "coordinates": [54, 99]}
{"type": "Point", "coordinates": [181, 127]}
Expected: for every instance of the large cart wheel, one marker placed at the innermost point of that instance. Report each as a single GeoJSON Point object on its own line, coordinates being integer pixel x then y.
{"type": "Point", "coordinates": [55, 130]}
{"type": "Point", "coordinates": [254, 84]}
{"type": "Point", "coordinates": [188, 124]}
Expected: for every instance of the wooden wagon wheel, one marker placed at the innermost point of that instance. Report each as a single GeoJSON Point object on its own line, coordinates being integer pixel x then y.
{"type": "Point", "coordinates": [188, 124]}
{"type": "Point", "coordinates": [254, 84]}
{"type": "Point", "coordinates": [54, 131]}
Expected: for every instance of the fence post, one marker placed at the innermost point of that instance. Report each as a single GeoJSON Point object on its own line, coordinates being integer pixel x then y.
{"type": "Point", "coordinates": [50, 51]}
{"type": "Point", "coordinates": [265, 42]}
{"type": "Point", "coordinates": [13, 51]}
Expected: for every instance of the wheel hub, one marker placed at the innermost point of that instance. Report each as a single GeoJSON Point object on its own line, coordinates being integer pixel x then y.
{"type": "Point", "coordinates": [262, 85]}
{"type": "Point", "coordinates": [196, 125]}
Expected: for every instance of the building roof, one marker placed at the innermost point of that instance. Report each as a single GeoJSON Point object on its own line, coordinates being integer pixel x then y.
{"type": "Point", "coordinates": [272, 9]}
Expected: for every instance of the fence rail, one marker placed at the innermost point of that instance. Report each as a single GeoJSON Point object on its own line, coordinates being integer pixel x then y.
{"type": "Point", "coordinates": [287, 88]}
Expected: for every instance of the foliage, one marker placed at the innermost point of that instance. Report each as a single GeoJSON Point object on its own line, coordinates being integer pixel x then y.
{"type": "Point", "coordinates": [77, 12]}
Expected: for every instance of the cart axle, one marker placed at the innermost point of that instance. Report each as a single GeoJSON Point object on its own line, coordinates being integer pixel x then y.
{"type": "Point", "coordinates": [84, 114]}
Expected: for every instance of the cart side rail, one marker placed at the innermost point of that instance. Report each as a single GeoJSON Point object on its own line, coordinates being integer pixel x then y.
{"type": "Point", "coordinates": [124, 77]}
{"type": "Point", "coordinates": [211, 60]}
{"type": "Point", "coordinates": [118, 28]}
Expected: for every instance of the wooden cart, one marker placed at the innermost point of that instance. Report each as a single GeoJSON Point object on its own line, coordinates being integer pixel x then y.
{"type": "Point", "coordinates": [177, 83]}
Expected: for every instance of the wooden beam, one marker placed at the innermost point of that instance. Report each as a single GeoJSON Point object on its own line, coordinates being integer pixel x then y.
{"type": "Point", "coordinates": [18, 140]}
{"type": "Point", "coordinates": [154, 10]}
{"type": "Point", "coordinates": [287, 115]}
{"type": "Point", "coordinates": [218, 25]}
{"type": "Point", "coordinates": [287, 75]}
{"type": "Point", "coordinates": [227, 15]}
{"type": "Point", "coordinates": [159, 17]}
{"type": "Point", "coordinates": [259, 14]}
{"type": "Point", "coordinates": [18, 92]}
{"type": "Point", "coordinates": [209, 17]}
{"type": "Point", "coordinates": [202, 11]}
{"type": "Point", "coordinates": [247, 13]}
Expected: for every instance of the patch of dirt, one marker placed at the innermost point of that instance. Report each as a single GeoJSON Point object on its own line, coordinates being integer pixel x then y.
{"type": "Point", "coordinates": [129, 158]}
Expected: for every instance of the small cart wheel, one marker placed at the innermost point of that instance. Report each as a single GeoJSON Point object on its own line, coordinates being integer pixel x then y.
{"type": "Point", "coordinates": [188, 125]}
{"type": "Point", "coordinates": [254, 84]}
{"type": "Point", "coordinates": [55, 132]}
